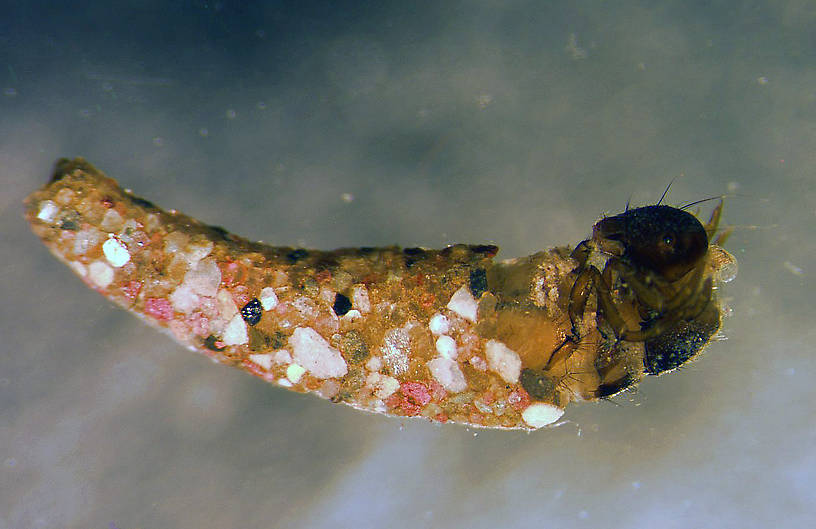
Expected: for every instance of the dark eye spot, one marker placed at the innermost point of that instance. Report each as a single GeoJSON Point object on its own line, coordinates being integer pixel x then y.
{"type": "Point", "coordinates": [668, 240]}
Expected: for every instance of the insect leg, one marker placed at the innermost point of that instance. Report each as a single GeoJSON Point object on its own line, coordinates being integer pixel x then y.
{"type": "Point", "coordinates": [648, 295]}
{"type": "Point", "coordinates": [669, 320]}
{"type": "Point", "coordinates": [579, 295]}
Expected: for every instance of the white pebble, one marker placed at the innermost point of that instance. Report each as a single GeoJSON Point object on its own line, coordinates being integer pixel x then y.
{"type": "Point", "coordinates": [64, 197]}
{"type": "Point", "coordinates": [204, 277]}
{"type": "Point", "coordinates": [360, 299]}
{"type": "Point", "coordinates": [48, 211]}
{"type": "Point", "coordinates": [327, 295]}
{"type": "Point", "coordinates": [503, 361]}
{"type": "Point", "coordinates": [352, 315]}
{"type": "Point", "coordinates": [235, 333]}
{"type": "Point", "coordinates": [131, 232]}
{"type": "Point", "coordinates": [446, 346]}
{"type": "Point", "coordinates": [541, 414]}
{"type": "Point", "coordinates": [264, 360]}
{"type": "Point", "coordinates": [329, 389]}
{"type": "Point", "coordinates": [269, 300]}
{"type": "Point", "coordinates": [175, 242]}
{"type": "Point", "coordinates": [115, 252]}
{"type": "Point", "coordinates": [184, 300]}
{"type": "Point", "coordinates": [85, 240]}
{"type": "Point", "coordinates": [464, 304]}
{"type": "Point", "coordinates": [197, 251]}
{"type": "Point", "coordinates": [225, 305]}
{"type": "Point", "coordinates": [314, 353]}
{"type": "Point", "coordinates": [383, 385]}
{"type": "Point", "coordinates": [295, 372]}
{"type": "Point", "coordinates": [439, 324]}
{"type": "Point", "coordinates": [448, 374]}
{"type": "Point", "coordinates": [374, 363]}
{"type": "Point", "coordinates": [112, 221]}
{"type": "Point", "coordinates": [100, 274]}
{"type": "Point", "coordinates": [396, 350]}
{"type": "Point", "coordinates": [283, 357]}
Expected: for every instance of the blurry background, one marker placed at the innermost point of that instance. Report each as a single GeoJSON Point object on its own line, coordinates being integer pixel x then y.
{"type": "Point", "coordinates": [335, 123]}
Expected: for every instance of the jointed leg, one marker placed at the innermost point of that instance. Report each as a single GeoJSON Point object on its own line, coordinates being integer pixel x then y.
{"type": "Point", "coordinates": [579, 295]}
{"type": "Point", "coordinates": [666, 322]}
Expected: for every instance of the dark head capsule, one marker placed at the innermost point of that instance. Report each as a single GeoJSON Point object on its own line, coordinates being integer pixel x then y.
{"type": "Point", "coordinates": [663, 239]}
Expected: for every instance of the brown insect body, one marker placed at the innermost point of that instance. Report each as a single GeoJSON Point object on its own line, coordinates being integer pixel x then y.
{"type": "Point", "coordinates": [657, 265]}
{"type": "Point", "coordinates": [449, 335]}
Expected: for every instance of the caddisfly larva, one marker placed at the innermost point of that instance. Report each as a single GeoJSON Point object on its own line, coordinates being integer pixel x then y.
{"type": "Point", "coordinates": [449, 335]}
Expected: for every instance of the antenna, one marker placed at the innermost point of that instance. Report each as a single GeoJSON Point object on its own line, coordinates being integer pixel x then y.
{"type": "Point", "coordinates": [665, 192]}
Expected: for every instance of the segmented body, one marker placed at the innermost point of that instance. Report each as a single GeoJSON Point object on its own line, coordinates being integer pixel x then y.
{"type": "Point", "coordinates": [450, 335]}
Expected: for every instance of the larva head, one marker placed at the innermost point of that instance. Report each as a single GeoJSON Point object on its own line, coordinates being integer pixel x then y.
{"type": "Point", "coordinates": [663, 239]}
